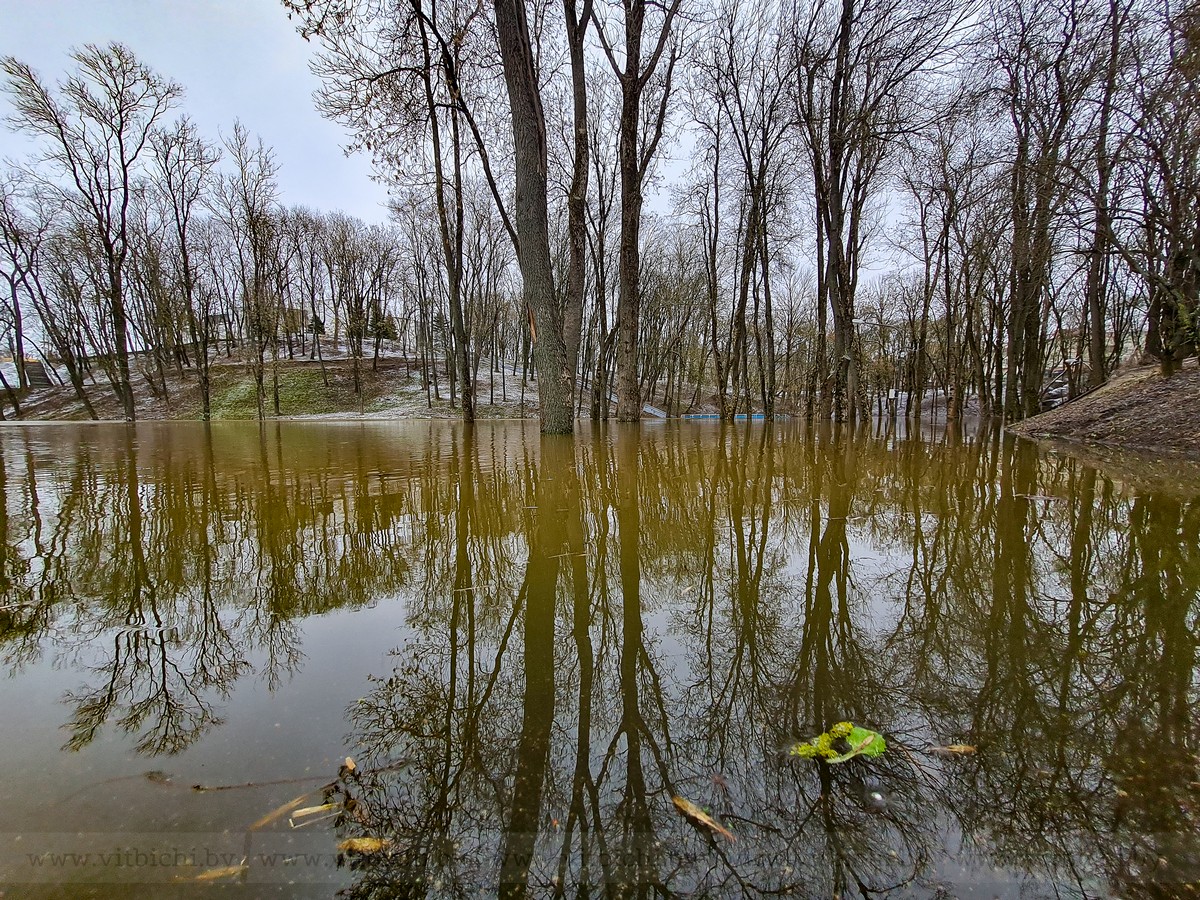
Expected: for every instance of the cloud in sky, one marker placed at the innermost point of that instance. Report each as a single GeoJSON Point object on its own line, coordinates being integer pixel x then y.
{"type": "Point", "coordinates": [236, 59]}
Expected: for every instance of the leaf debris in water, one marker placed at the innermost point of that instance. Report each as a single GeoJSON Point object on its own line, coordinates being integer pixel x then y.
{"type": "Point", "coordinates": [859, 741]}
{"type": "Point", "coordinates": [280, 811]}
{"type": "Point", "coordinates": [311, 811]}
{"type": "Point", "coordinates": [214, 874]}
{"type": "Point", "coordinates": [363, 845]}
{"type": "Point", "coordinates": [697, 816]}
{"type": "Point", "coordinates": [863, 742]}
{"type": "Point", "coordinates": [953, 750]}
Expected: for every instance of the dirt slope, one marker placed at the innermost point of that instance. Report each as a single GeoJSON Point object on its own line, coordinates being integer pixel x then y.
{"type": "Point", "coordinates": [1138, 409]}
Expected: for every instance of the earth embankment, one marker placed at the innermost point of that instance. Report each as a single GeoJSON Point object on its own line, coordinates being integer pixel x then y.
{"type": "Point", "coordinates": [1138, 409]}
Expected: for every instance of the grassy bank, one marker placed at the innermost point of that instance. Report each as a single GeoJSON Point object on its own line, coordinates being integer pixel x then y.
{"type": "Point", "coordinates": [306, 390]}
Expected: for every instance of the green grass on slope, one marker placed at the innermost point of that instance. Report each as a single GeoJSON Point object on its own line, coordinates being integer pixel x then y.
{"type": "Point", "coordinates": [301, 393]}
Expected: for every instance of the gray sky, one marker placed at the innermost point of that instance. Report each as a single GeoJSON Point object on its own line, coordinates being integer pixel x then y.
{"type": "Point", "coordinates": [236, 59]}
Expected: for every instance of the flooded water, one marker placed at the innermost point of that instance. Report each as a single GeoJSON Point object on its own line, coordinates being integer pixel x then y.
{"type": "Point", "coordinates": [528, 647]}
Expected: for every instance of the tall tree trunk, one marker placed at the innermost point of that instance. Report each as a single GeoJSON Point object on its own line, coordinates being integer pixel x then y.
{"type": "Point", "coordinates": [121, 343]}
{"type": "Point", "coordinates": [629, 301]}
{"type": "Point", "coordinates": [738, 356]}
{"type": "Point", "coordinates": [556, 377]}
{"type": "Point", "coordinates": [1097, 280]}
{"type": "Point", "coordinates": [452, 243]}
{"type": "Point", "coordinates": [573, 296]}
{"type": "Point", "coordinates": [632, 162]}
{"type": "Point", "coordinates": [769, 323]}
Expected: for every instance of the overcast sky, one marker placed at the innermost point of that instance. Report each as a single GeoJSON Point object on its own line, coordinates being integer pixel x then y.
{"type": "Point", "coordinates": [236, 59]}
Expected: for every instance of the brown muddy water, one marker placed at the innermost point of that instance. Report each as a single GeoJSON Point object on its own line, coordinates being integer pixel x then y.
{"type": "Point", "coordinates": [528, 647]}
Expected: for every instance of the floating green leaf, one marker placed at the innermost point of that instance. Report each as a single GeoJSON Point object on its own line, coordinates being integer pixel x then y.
{"type": "Point", "coordinates": [858, 742]}
{"type": "Point", "coordinates": [863, 742]}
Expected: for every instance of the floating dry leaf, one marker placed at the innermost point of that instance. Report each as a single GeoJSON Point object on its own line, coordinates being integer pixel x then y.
{"type": "Point", "coordinates": [214, 874]}
{"type": "Point", "coordinates": [280, 812]}
{"type": "Point", "coordinates": [953, 750]}
{"type": "Point", "coordinates": [314, 810]}
{"type": "Point", "coordinates": [310, 811]}
{"type": "Point", "coordinates": [697, 816]}
{"type": "Point", "coordinates": [363, 845]}
{"type": "Point", "coordinates": [349, 764]}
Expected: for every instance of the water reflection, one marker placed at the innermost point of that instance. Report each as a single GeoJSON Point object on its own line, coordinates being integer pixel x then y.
{"type": "Point", "coordinates": [595, 627]}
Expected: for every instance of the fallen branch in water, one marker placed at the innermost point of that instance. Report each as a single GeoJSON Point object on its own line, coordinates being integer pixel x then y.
{"type": "Point", "coordinates": [205, 788]}
{"type": "Point", "coordinates": [347, 768]}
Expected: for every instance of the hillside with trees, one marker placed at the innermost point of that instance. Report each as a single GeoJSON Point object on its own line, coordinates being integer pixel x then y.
{"type": "Point", "coordinates": [814, 208]}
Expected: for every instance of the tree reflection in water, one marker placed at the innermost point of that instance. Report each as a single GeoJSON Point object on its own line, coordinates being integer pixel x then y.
{"type": "Point", "coordinates": [596, 626]}
{"type": "Point", "coordinates": [743, 588]}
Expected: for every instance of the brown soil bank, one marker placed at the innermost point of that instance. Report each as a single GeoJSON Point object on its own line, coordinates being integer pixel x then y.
{"type": "Point", "coordinates": [1138, 409]}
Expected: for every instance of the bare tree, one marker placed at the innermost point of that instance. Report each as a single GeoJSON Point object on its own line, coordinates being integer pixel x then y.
{"type": "Point", "coordinates": [185, 164]}
{"type": "Point", "coordinates": [1164, 248]}
{"type": "Point", "coordinates": [863, 71]}
{"type": "Point", "coordinates": [576, 20]}
{"type": "Point", "coordinates": [556, 374]}
{"type": "Point", "coordinates": [45, 261]}
{"type": "Point", "coordinates": [248, 204]}
{"type": "Point", "coordinates": [1046, 58]}
{"type": "Point", "coordinates": [399, 78]}
{"type": "Point", "coordinates": [1104, 161]}
{"type": "Point", "coordinates": [635, 62]}
{"type": "Point", "coordinates": [94, 132]}
{"type": "Point", "coordinates": [743, 73]}
{"type": "Point", "coordinates": [19, 246]}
